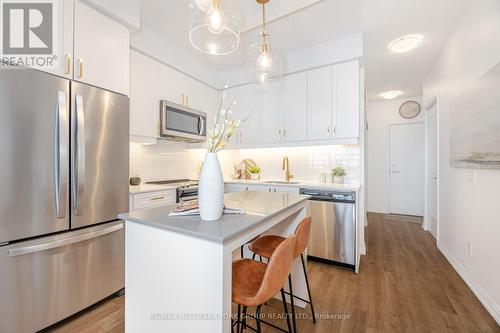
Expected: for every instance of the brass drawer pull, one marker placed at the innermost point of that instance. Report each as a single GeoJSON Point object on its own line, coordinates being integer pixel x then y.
{"type": "Point", "coordinates": [157, 198]}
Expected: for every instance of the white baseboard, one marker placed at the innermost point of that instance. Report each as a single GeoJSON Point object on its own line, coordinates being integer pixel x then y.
{"type": "Point", "coordinates": [491, 306]}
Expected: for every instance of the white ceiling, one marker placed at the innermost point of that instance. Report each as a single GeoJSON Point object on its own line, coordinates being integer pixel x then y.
{"type": "Point", "coordinates": [384, 21]}
{"type": "Point", "coordinates": [296, 24]}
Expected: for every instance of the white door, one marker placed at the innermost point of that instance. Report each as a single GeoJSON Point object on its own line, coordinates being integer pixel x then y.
{"type": "Point", "coordinates": [319, 103]}
{"type": "Point", "coordinates": [272, 112]}
{"type": "Point", "coordinates": [346, 100]}
{"type": "Point", "coordinates": [246, 105]}
{"type": "Point", "coordinates": [144, 100]}
{"type": "Point", "coordinates": [101, 50]}
{"type": "Point", "coordinates": [407, 169]}
{"type": "Point", "coordinates": [295, 107]}
{"type": "Point", "coordinates": [433, 171]}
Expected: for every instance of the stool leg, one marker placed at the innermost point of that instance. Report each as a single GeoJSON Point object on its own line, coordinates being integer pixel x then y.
{"type": "Point", "coordinates": [241, 251]}
{"type": "Point", "coordinates": [257, 318]}
{"type": "Point", "coordinates": [244, 322]}
{"type": "Point", "coordinates": [292, 303]}
{"type": "Point", "coordinates": [253, 256]}
{"type": "Point", "coordinates": [308, 289]}
{"type": "Point", "coordinates": [238, 319]}
{"type": "Point", "coordinates": [286, 311]}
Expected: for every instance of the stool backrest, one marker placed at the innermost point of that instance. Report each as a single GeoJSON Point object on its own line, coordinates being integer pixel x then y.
{"type": "Point", "coordinates": [303, 231]}
{"type": "Point", "coordinates": [277, 271]}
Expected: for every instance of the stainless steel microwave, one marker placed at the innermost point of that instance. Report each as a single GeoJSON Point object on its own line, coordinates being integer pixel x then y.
{"type": "Point", "coordinates": [181, 123]}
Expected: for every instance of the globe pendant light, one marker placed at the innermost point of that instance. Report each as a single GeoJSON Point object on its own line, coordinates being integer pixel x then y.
{"type": "Point", "coordinates": [264, 63]}
{"type": "Point", "coordinates": [214, 25]}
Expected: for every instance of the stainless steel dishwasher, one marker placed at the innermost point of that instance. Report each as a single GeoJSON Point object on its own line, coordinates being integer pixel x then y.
{"type": "Point", "coordinates": [333, 232]}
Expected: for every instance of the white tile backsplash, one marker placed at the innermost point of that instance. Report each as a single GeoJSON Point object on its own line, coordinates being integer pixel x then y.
{"type": "Point", "coordinates": [169, 160]}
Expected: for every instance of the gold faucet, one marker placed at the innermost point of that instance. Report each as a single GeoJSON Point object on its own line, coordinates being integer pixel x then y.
{"type": "Point", "coordinates": [286, 167]}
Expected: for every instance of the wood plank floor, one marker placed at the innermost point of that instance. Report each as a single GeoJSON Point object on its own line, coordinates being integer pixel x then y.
{"type": "Point", "coordinates": [404, 285]}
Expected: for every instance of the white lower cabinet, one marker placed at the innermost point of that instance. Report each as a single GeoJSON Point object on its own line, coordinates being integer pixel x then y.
{"type": "Point", "coordinates": [152, 199]}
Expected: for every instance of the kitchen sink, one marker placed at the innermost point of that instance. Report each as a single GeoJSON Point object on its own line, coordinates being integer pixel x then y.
{"type": "Point", "coordinates": [280, 182]}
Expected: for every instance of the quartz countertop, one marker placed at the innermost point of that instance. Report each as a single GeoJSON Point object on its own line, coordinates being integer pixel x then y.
{"type": "Point", "coordinates": [297, 183]}
{"type": "Point", "coordinates": [145, 188]}
{"type": "Point", "coordinates": [260, 206]}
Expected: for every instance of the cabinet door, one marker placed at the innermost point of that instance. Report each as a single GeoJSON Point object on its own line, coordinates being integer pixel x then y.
{"type": "Point", "coordinates": [247, 104]}
{"type": "Point", "coordinates": [172, 85]}
{"type": "Point", "coordinates": [63, 45]}
{"type": "Point", "coordinates": [101, 45]}
{"type": "Point", "coordinates": [295, 107]}
{"type": "Point", "coordinates": [272, 112]}
{"type": "Point", "coordinates": [347, 99]}
{"type": "Point", "coordinates": [319, 103]}
{"type": "Point", "coordinates": [144, 101]}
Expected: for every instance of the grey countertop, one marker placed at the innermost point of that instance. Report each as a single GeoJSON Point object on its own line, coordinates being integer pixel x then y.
{"type": "Point", "coordinates": [260, 206]}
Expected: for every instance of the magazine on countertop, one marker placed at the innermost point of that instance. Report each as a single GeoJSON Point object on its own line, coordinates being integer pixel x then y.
{"type": "Point", "coordinates": [190, 208]}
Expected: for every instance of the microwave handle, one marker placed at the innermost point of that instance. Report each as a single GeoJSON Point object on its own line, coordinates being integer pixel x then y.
{"type": "Point", "coordinates": [202, 125]}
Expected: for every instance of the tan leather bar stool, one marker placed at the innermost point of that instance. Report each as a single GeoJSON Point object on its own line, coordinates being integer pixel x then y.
{"type": "Point", "coordinates": [254, 283]}
{"type": "Point", "coordinates": [265, 246]}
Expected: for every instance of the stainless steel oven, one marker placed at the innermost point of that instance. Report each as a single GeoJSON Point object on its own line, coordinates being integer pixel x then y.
{"type": "Point", "coordinates": [181, 123]}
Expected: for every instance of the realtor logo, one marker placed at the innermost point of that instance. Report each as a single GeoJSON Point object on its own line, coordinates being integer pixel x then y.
{"type": "Point", "coordinates": [27, 28]}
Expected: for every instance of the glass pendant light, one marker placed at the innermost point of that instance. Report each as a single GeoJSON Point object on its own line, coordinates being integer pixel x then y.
{"type": "Point", "coordinates": [214, 25]}
{"type": "Point", "coordinates": [264, 63]}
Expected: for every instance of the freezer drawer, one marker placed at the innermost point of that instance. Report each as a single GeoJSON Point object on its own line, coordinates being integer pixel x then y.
{"type": "Point", "coordinates": [46, 280]}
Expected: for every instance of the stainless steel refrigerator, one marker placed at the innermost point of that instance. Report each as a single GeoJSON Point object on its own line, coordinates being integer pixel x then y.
{"type": "Point", "coordinates": [64, 168]}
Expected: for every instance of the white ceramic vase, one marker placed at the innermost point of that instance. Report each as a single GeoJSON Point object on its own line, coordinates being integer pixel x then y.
{"type": "Point", "coordinates": [211, 189]}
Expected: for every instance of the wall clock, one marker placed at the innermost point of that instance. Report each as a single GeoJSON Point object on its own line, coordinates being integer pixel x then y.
{"type": "Point", "coordinates": [409, 110]}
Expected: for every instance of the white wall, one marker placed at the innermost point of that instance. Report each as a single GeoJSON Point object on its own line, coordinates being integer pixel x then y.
{"type": "Point", "coordinates": [380, 115]}
{"type": "Point", "coordinates": [469, 211]}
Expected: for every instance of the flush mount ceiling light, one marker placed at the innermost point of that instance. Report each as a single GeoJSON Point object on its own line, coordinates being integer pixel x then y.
{"type": "Point", "coordinates": [391, 94]}
{"type": "Point", "coordinates": [264, 62]}
{"type": "Point", "coordinates": [406, 43]}
{"type": "Point", "coordinates": [214, 25]}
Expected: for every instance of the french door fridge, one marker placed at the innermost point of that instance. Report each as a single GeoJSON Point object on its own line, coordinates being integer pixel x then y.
{"type": "Point", "coordinates": [64, 164]}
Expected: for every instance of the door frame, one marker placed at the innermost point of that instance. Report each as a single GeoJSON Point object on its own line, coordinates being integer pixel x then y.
{"type": "Point", "coordinates": [427, 214]}
{"type": "Point", "coordinates": [389, 155]}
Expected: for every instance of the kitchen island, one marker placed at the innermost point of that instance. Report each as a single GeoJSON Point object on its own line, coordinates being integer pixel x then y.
{"type": "Point", "coordinates": [178, 269]}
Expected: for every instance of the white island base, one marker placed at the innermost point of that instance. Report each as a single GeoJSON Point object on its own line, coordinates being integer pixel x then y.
{"type": "Point", "coordinates": [178, 270]}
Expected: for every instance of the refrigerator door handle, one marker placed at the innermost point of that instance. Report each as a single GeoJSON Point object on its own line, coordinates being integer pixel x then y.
{"type": "Point", "coordinates": [61, 154]}
{"type": "Point", "coordinates": [63, 242]}
{"type": "Point", "coordinates": [78, 156]}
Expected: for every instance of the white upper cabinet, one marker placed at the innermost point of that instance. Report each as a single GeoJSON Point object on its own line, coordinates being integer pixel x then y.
{"type": "Point", "coordinates": [101, 50]}
{"type": "Point", "coordinates": [247, 100]}
{"type": "Point", "coordinates": [63, 46]}
{"type": "Point", "coordinates": [144, 97]}
{"type": "Point", "coordinates": [347, 92]}
{"type": "Point", "coordinates": [319, 103]}
{"type": "Point", "coordinates": [295, 107]}
{"type": "Point", "coordinates": [272, 112]}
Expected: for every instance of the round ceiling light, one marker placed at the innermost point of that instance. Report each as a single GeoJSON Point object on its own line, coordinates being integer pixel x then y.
{"type": "Point", "coordinates": [391, 94]}
{"type": "Point", "coordinates": [214, 25]}
{"type": "Point", "coordinates": [406, 43]}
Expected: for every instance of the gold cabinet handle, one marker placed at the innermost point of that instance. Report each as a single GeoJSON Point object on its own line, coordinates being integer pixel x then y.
{"type": "Point", "coordinates": [67, 68]}
{"type": "Point", "coordinates": [80, 67]}
{"type": "Point", "coordinates": [183, 102]}
{"type": "Point", "coordinates": [157, 198]}
{"type": "Point", "coordinates": [284, 134]}
{"type": "Point", "coordinates": [187, 100]}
